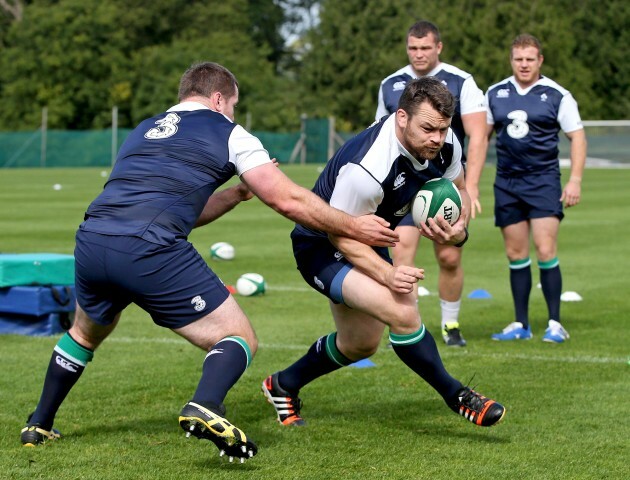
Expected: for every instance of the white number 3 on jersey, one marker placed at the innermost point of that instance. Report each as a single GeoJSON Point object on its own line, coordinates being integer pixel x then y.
{"type": "Point", "coordinates": [166, 127]}
{"type": "Point", "coordinates": [518, 128]}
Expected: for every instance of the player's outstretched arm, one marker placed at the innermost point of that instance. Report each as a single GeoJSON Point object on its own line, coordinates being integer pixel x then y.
{"type": "Point", "coordinates": [222, 202]}
{"type": "Point", "coordinates": [276, 190]}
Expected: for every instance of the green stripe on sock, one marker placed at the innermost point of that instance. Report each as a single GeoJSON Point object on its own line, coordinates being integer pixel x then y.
{"type": "Point", "coordinates": [241, 341]}
{"type": "Point", "coordinates": [333, 352]}
{"type": "Point", "coordinates": [518, 264]}
{"type": "Point", "coordinates": [554, 262]}
{"type": "Point", "coordinates": [69, 348]}
{"type": "Point", "coordinates": [409, 339]}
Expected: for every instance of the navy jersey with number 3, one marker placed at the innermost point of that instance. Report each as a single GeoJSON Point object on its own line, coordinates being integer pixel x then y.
{"type": "Point", "coordinates": [527, 123]}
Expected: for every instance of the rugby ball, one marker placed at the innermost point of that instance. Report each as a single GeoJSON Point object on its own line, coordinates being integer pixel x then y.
{"type": "Point", "coordinates": [250, 284]}
{"type": "Point", "coordinates": [437, 197]}
{"type": "Point", "coordinates": [222, 251]}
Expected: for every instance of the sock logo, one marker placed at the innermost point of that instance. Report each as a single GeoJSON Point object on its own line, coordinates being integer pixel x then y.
{"type": "Point", "coordinates": [215, 350]}
{"type": "Point", "coordinates": [63, 363]}
{"type": "Point", "coordinates": [318, 346]}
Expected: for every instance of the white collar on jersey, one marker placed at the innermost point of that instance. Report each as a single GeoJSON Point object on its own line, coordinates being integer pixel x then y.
{"type": "Point", "coordinates": [191, 107]}
{"type": "Point", "coordinates": [524, 91]}
{"type": "Point", "coordinates": [188, 107]}
{"type": "Point", "coordinates": [411, 72]}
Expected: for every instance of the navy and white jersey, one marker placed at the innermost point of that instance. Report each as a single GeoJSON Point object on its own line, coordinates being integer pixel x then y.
{"type": "Point", "coordinates": [374, 174]}
{"type": "Point", "coordinates": [167, 169]}
{"type": "Point", "coordinates": [469, 97]}
{"type": "Point", "coordinates": [527, 122]}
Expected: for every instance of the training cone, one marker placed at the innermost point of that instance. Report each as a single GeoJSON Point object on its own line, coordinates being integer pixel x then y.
{"type": "Point", "coordinates": [479, 293]}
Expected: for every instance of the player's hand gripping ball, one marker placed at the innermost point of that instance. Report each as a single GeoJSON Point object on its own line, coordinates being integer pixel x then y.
{"type": "Point", "coordinates": [437, 197]}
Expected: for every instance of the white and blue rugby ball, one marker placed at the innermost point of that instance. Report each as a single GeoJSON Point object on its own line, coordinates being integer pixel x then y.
{"type": "Point", "coordinates": [222, 251]}
{"type": "Point", "coordinates": [437, 197]}
{"type": "Point", "coordinates": [250, 284]}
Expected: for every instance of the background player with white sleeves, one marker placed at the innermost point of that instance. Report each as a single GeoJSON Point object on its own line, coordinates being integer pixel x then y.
{"type": "Point", "coordinates": [527, 111]}
{"type": "Point", "coordinates": [423, 49]}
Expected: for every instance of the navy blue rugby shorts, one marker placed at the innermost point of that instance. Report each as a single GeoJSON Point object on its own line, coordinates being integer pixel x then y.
{"type": "Point", "coordinates": [517, 199]}
{"type": "Point", "coordinates": [173, 283]}
{"type": "Point", "coordinates": [322, 266]}
{"type": "Point", "coordinates": [407, 221]}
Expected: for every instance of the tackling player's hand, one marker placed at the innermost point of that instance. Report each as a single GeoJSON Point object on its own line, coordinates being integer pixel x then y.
{"type": "Point", "coordinates": [374, 231]}
{"type": "Point", "coordinates": [401, 279]}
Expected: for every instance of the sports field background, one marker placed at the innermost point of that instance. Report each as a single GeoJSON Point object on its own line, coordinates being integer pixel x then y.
{"type": "Point", "coordinates": [567, 405]}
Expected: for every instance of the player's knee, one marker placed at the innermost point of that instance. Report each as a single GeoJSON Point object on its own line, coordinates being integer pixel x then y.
{"type": "Point", "coordinates": [449, 259]}
{"type": "Point", "coordinates": [546, 253]}
{"type": "Point", "coordinates": [405, 319]}
{"type": "Point", "coordinates": [361, 350]}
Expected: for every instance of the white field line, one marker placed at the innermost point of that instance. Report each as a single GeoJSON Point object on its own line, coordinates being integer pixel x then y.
{"type": "Point", "coordinates": [290, 288]}
{"type": "Point", "coordinates": [587, 359]}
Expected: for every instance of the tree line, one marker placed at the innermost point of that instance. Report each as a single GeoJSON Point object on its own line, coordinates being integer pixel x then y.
{"type": "Point", "coordinates": [79, 58]}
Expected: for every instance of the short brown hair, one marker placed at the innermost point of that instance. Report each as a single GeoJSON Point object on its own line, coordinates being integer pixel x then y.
{"type": "Point", "coordinates": [525, 40]}
{"type": "Point", "coordinates": [422, 28]}
{"type": "Point", "coordinates": [205, 78]}
{"type": "Point", "coordinates": [427, 89]}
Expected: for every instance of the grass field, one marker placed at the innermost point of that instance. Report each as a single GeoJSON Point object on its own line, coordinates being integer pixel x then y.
{"type": "Point", "coordinates": [567, 404]}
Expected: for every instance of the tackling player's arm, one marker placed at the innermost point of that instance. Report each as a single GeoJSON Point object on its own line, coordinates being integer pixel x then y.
{"type": "Point", "coordinates": [304, 207]}
{"type": "Point", "coordinates": [222, 202]}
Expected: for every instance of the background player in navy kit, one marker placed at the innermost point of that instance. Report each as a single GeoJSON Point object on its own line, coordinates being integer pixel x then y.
{"type": "Point", "coordinates": [132, 247]}
{"type": "Point", "coordinates": [527, 111]}
{"type": "Point", "coordinates": [423, 49]}
{"type": "Point", "coordinates": [379, 171]}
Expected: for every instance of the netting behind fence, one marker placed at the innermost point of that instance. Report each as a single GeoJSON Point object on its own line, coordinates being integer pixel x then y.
{"type": "Point", "coordinates": [279, 145]}
{"type": "Point", "coordinates": [608, 145]}
{"type": "Point", "coordinates": [61, 148]}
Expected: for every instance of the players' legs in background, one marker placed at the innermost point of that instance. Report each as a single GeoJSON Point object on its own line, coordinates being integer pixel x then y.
{"type": "Point", "coordinates": [69, 359]}
{"type": "Point", "coordinates": [450, 287]}
{"type": "Point", "coordinates": [516, 241]}
{"type": "Point", "coordinates": [228, 337]}
{"type": "Point", "coordinates": [545, 235]}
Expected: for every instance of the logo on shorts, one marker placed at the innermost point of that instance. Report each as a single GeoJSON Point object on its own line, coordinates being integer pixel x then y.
{"type": "Point", "coordinates": [65, 364]}
{"type": "Point", "coordinates": [318, 282]}
{"type": "Point", "coordinates": [199, 302]}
